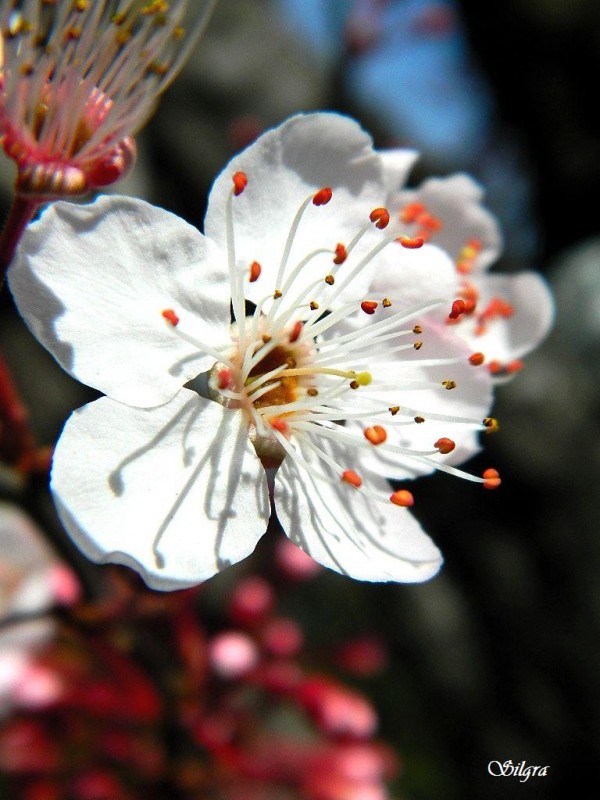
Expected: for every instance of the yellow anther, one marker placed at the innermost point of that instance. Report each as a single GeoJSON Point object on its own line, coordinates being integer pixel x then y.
{"type": "Point", "coordinates": [363, 378]}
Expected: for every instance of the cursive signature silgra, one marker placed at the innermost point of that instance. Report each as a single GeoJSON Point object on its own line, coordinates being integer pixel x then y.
{"type": "Point", "coordinates": [506, 769]}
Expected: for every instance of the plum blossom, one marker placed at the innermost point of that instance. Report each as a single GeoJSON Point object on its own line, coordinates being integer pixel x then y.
{"type": "Point", "coordinates": [32, 581]}
{"type": "Point", "coordinates": [77, 79]}
{"type": "Point", "coordinates": [504, 316]}
{"type": "Point", "coordinates": [327, 373]}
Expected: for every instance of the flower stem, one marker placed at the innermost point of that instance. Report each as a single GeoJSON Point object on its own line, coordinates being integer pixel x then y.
{"type": "Point", "coordinates": [17, 442]}
{"type": "Point", "coordinates": [20, 214]}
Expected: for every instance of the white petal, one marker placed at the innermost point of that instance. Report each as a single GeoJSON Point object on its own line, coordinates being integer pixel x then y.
{"type": "Point", "coordinates": [411, 278]}
{"type": "Point", "coordinates": [397, 164]}
{"type": "Point", "coordinates": [92, 282]}
{"type": "Point", "coordinates": [284, 167]}
{"type": "Point", "coordinates": [456, 201]}
{"type": "Point", "coordinates": [347, 531]}
{"type": "Point", "coordinates": [508, 339]}
{"type": "Point", "coordinates": [175, 492]}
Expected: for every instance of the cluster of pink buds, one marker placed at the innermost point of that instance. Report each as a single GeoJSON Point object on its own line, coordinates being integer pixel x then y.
{"type": "Point", "coordinates": [164, 695]}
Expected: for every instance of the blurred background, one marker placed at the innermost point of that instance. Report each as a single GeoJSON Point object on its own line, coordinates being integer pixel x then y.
{"type": "Point", "coordinates": [497, 657]}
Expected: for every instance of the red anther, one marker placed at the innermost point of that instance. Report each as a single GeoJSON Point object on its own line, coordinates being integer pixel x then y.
{"type": "Point", "coordinates": [495, 367]}
{"type": "Point", "coordinates": [341, 254]}
{"type": "Point", "coordinates": [458, 308]}
{"type": "Point", "coordinates": [402, 498]}
{"type": "Point", "coordinates": [445, 445]}
{"type": "Point", "coordinates": [279, 424]}
{"type": "Point", "coordinates": [381, 217]}
{"type": "Point", "coordinates": [296, 331]}
{"type": "Point", "coordinates": [224, 377]}
{"type": "Point", "coordinates": [323, 196]}
{"type": "Point", "coordinates": [351, 477]}
{"type": "Point", "coordinates": [497, 307]}
{"type": "Point", "coordinates": [255, 270]}
{"type": "Point", "coordinates": [240, 181]}
{"type": "Point", "coordinates": [369, 306]}
{"type": "Point", "coordinates": [375, 434]}
{"type": "Point", "coordinates": [491, 479]}
{"type": "Point", "coordinates": [514, 366]}
{"type": "Point", "coordinates": [411, 212]}
{"type": "Point", "coordinates": [170, 316]}
{"type": "Point", "coordinates": [476, 359]}
{"type": "Point", "coordinates": [411, 243]}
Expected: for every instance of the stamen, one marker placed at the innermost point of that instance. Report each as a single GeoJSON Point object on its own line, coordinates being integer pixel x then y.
{"type": "Point", "coordinates": [255, 270]}
{"type": "Point", "coordinates": [491, 479]}
{"type": "Point", "coordinates": [279, 424]}
{"type": "Point", "coordinates": [341, 254]}
{"type": "Point", "coordinates": [322, 197]}
{"type": "Point", "coordinates": [375, 434]}
{"type": "Point", "coordinates": [296, 331]}
{"type": "Point", "coordinates": [368, 306]}
{"type": "Point", "coordinates": [476, 359]}
{"type": "Point", "coordinates": [411, 243]}
{"type": "Point", "coordinates": [352, 478]}
{"type": "Point", "coordinates": [411, 212]}
{"type": "Point", "coordinates": [403, 498]}
{"type": "Point", "coordinates": [491, 425]}
{"type": "Point", "coordinates": [445, 445]}
{"type": "Point", "coordinates": [458, 308]}
{"type": "Point", "coordinates": [386, 302]}
{"type": "Point", "coordinates": [381, 217]}
{"type": "Point", "coordinates": [171, 316]}
{"type": "Point", "coordinates": [240, 181]}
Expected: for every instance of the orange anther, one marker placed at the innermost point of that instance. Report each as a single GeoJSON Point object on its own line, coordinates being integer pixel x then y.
{"type": "Point", "coordinates": [403, 498]}
{"type": "Point", "coordinates": [476, 359]}
{"type": "Point", "coordinates": [514, 366]}
{"type": "Point", "coordinates": [410, 243]}
{"type": "Point", "coordinates": [170, 316]}
{"type": "Point", "coordinates": [411, 212]}
{"type": "Point", "coordinates": [445, 445]}
{"type": "Point", "coordinates": [255, 270]}
{"type": "Point", "coordinates": [376, 434]}
{"type": "Point", "coordinates": [240, 181]}
{"type": "Point", "coordinates": [491, 479]}
{"type": "Point", "coordinates": [470, 306]}
{"type": "Point", "coordinates": [369, 306]}
{"type": "Point", "coordinates": [279, 424]}
{"type": "Point", "coordinates": [341, 254]}
{"type": "Point", "coordinates": [458, 308]}
{"type": "Point", "coordinates": [296, 331]}
{"type": "Point", "coordinates": [468, 291]}
{"type": "Point", "coordinates": [495, 367]}
{"type": "Point", "coordinates": [224, 378]}
{"type": "Point", "coordinates": [381, 217]}
{"type": "Point", "coordinates": [323, 196]}
{"type": "Point", "coordinates": [352, 478]}
{"type": "Point", "coordinates": [429, 222]}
